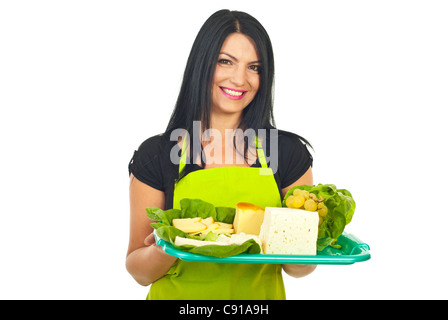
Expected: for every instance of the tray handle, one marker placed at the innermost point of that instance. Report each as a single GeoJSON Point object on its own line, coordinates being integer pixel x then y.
{"type": "Point", "coordinates": [361, 246]}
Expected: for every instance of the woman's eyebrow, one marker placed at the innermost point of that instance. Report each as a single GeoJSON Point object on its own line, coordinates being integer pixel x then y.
{"type": "Point", "coordinates": [234, 58]}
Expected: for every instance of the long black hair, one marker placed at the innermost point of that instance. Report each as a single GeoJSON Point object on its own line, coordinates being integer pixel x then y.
{"type": "Point", "coordinates": [195, 96]}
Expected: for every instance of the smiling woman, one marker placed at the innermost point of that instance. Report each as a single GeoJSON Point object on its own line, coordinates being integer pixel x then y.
{"type": "Point", "coordinates": [227, 87]}
{"type": "Point", "coordinates": [231, 53]}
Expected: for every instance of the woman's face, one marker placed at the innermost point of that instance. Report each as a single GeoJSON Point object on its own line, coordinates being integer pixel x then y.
{"type": "Point", "coordinates": [236, 79]}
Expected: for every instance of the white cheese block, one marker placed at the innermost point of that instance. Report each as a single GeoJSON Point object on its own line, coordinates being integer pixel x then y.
{"type": "Point", "coordinates": [289, 231]}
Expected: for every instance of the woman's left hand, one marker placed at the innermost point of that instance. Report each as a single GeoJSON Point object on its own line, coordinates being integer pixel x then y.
{"type": "Point", "coordinates": [298, 270]}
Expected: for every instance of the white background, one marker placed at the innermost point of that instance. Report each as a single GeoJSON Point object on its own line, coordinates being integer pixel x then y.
{"type": "Point", "coordinates": [83, 83]}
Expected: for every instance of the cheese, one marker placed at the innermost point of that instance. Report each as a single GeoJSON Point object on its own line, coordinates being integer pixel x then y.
{"type": "Point", "coordinates": [189, 225]}
{"type": "Point", "coordinates": [248, 218]}
{"type": "Point", "coordinates": [198, 225]}
{"type": "Point", "coordinates": [289, 231]}
{"type": "Point", "coordinates": [222, 240]}
{"type": "Point", "coordinates": [208, 221]}
{"type": "Point", "coordinates": [179, 241]}
{"type": "Point", "coordinates": [240, 238]}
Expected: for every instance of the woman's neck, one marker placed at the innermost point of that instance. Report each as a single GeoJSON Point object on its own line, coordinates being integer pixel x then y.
{"type": "Point", "coordinates": [219, 148]}
{"type": "Point", "coordinates": [223, 121]}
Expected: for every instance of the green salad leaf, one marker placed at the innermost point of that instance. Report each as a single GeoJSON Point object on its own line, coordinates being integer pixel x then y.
{"type": "Point", "coordinates": [192, 208]}
{"type": "Point", "coordinates": [341, 208]}
{"type": "Point", "coordinates": [249, 246]}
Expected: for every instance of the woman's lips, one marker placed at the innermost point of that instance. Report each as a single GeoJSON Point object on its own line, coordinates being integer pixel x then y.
{"type": "Point", "coordinates": [233, 94]}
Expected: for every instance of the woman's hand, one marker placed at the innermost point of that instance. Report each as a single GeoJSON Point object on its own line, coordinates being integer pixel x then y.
{"type": "Point", "coordinates": [149, 240]}
{"type": "Point", "coordinates": [298, 270]}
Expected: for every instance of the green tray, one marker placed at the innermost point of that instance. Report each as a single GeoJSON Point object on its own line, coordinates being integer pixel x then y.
{"type": "Point", "coordinates": [353, 250]}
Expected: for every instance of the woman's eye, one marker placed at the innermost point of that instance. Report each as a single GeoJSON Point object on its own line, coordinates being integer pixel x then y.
{"type": "Point", "coordinates": [255, 68]}
{"type": "Point", "coordinates": [224, 61]}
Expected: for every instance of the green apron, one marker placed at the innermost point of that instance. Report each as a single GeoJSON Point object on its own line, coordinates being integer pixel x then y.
{"type": "Point", "coordinates": [224, 186]}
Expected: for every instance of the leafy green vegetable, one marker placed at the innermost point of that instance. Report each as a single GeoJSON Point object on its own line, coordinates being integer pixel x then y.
{"type": "Point", "coordinates": [224, 214]}
{"type": "Point", "coordinates": [341, 208]}
{"type": "Point", "coordinates": [191, 208]}
{"type": "Point", "coordinates": [249, 246]}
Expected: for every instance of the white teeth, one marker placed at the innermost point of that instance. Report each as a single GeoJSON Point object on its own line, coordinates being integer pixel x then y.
{"type": "Point", "coordinates": [232, 93]}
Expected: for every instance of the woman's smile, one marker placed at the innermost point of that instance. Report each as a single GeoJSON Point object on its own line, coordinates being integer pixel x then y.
{"type": "Point", "coordinates": [233, 94]}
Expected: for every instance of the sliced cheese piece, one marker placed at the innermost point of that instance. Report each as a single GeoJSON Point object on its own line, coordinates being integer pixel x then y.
{"type": "Point", "coordinates": [248, 218]}
{"type": "Point", "coordinates": [189, 225]}
{"type": "Point", "coordinates": [289, 231]}
{"type": "Point", "coordinates": [211, 227]}
{"type": "Point", "coordinates": [223, 225]}
{"type": "Point", "coordinates": [208, 221]}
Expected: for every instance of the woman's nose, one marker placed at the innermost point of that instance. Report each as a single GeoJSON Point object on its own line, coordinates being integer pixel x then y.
{"type": "Point", "coordinates": [238, 76]}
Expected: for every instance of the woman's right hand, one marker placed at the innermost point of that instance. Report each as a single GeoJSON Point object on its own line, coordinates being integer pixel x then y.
{"type": "Point", "coordinates": [149, 240]}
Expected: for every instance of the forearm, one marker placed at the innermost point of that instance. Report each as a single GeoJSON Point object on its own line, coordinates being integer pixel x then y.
{"type": "Point", "coordinates": [298, 270]}
{"type": "Point", "coordinates": [148, 264]}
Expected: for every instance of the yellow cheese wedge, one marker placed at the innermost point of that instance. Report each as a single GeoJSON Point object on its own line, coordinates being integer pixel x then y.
{"type": "Point", "coordinates": [248, 218]}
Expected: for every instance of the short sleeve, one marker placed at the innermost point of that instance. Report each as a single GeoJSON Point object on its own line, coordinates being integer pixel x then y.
{"type": "Point", "coordinates": [294, 158]}
{"type": "Point", "coordinates": [146, 164]}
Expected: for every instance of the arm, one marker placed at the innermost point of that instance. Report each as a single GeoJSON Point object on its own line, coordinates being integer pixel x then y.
{"type": "Point", "coordinates": [298, 270]}
{"type": "Point", "coordinates": [145, 261]}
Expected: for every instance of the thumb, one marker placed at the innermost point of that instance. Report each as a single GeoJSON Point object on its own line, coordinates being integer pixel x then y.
{"type": "Point", "coordinates": [149, 240]}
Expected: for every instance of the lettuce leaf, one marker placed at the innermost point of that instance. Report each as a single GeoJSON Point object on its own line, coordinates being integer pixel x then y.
{"type": "Point", "coordinates": [341, 208]}
{"type": "Point", "coordinates": [249, 246]}
{"type": "Point", "coordinates": [192, 208]}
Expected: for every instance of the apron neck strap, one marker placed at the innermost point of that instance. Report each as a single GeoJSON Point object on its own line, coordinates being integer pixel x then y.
{"type": "Point", "coordinates": [260, 154]}
{"type": "Point", "coordinates": [183, 155]}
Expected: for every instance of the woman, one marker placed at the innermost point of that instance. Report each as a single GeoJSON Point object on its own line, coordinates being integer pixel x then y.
{"type": "Point", "coordinates": [227, 86]}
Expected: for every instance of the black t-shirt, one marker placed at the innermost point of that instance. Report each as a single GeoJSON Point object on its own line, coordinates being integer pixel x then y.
{"type": "Point", "coordinates": [151, 163]}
